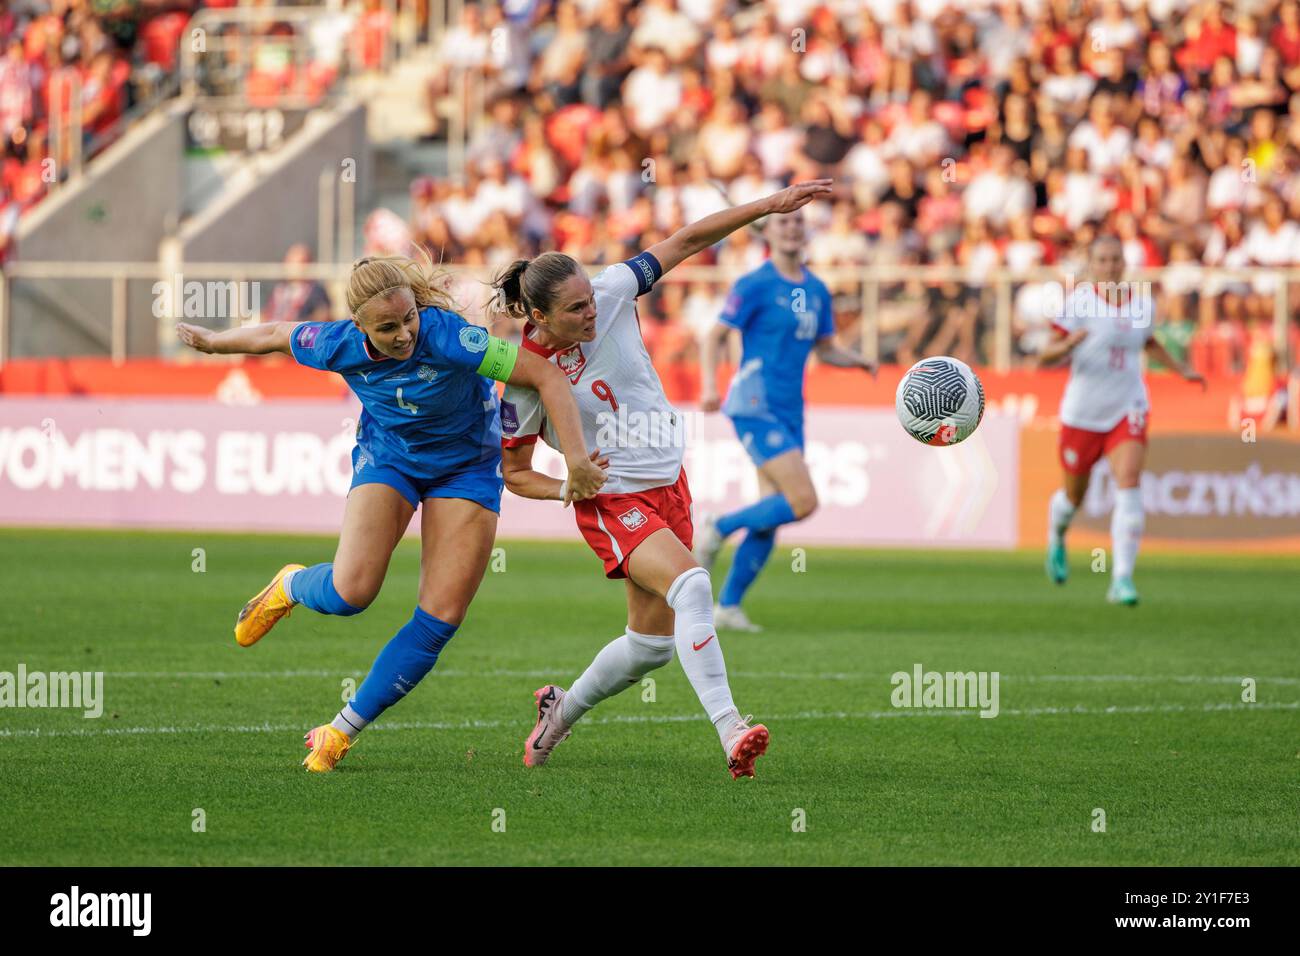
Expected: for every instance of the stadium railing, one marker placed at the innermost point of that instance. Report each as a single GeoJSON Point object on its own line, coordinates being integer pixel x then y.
{"type": "Point", "coordinates": [869, 290]}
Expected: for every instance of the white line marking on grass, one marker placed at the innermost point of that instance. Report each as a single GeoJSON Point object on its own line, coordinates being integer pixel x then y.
{"type": "Point", "coordinates": [269, 728]}
{"type": "Point", "coordinates": [451, 672]}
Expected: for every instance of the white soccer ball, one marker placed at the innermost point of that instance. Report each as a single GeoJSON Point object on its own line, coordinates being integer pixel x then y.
{"type": "Point", "coordinates": [940, 401]}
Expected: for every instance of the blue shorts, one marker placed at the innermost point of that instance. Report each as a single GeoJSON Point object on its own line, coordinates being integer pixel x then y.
{"type": "Point", "coordinates": [765, 438]}
{"type": "Point", "coordinates": [481, 482]}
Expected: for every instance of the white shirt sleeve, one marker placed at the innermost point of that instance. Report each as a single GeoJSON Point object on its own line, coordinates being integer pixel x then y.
{"type": "Point", "coordinates": [522, 416]}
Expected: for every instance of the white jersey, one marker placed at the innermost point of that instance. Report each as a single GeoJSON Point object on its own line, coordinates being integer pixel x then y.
{"type": "Point", "coordinates": [1106, 383]}
{"type": "Point", "coordinates": [624, 411]}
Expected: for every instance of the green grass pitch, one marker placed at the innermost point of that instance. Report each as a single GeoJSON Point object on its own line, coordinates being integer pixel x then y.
{"type": "Point", "coordinates": [1136, 712]}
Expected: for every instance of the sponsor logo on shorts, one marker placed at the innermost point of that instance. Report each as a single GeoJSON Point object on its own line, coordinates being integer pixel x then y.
{"type": "Point", "coordinates": [572, 362]}
{"type": "Point", "coordinates": [632, 519]}
{"type": "Point", "coordinates": [361, 463]}
{"type": "Point", "coordinates": [774, 438]}
{"type": "Point", "coordinates": [1071, 457]}
{"type": "Point", "coordinates": [474, 338]}
{"type": "Point", "coordinates": [307, 336]}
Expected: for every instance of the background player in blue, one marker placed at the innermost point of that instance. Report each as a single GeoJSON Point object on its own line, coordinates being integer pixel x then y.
{"type": "Point", "coordinates": [782, 312]}
{"type": "Point", "coordinates": [429, 433]}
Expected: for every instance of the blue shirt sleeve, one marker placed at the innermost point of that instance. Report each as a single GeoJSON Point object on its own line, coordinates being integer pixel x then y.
{"type": "Point", "coordinates": [456, 340]}
{"type": "Point", "coordinates": [739, 309]}
{"type": "Point", "coordinates": [319, 344]}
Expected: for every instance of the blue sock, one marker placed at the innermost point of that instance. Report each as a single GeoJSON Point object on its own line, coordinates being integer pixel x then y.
{"type": "Point", "coordinates": [750, 558]}
{"type": "Point", "coordinates": [763, 515]}
{"type": "Point", "coordinates": [314, 588]}
{"type": "Point", "coordinates": [402, 663]}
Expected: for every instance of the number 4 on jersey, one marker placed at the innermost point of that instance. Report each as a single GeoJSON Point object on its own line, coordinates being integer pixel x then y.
{"type": "Point", "coordinates": [407, 406]}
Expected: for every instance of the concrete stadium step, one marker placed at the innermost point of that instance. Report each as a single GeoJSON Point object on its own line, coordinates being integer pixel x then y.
{"type": "Point", "coordinates": [397, 101]}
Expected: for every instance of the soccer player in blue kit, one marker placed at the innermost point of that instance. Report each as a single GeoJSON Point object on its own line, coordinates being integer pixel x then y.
{"type": "Point", "coordinates": [783, 312]}
{"type": "Point", "coordinates": [430, 435]}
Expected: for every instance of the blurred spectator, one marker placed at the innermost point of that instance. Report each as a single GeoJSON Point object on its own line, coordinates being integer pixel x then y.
{"type": "Point", "coordinates": [296, 299]}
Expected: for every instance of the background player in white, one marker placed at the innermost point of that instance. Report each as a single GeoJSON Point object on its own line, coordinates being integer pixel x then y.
{"type": "Point", "coordinates": [641, 525]}
{"type": "Point", "coordinates": [1105, 326]}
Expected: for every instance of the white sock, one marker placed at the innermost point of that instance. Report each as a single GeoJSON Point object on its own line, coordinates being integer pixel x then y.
{"type": "Point", "coordinates": [349, 721]}
{"type": "Point", "coordinates": [1126, 523]}
{"type": "Point", "coordinates": [287, 578]}
{"type": "Point", "coordinates": [725, 723]}
{"type": "Point", "coordinates": [620, 664]}
{"type": "Point", "coordinates": [691, 598]}
{"type": "Point", "coordinates": [1059, 515]}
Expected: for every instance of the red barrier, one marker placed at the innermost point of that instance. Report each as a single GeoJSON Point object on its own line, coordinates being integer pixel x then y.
{"type": "Point", "coordinates": [1034, 396]}
{"type": "Point", "coordinates": [238, 382]}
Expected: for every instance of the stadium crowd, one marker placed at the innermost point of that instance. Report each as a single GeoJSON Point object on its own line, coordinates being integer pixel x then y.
{"type": "Point", "coordinates": [974, 135]}
{"type": "Point", "coordinates": [91, 58]}
{"type": "Point", "coordinates": [96, 59]}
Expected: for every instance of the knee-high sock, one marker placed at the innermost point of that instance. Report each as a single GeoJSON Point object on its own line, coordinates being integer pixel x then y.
{"type": "Point", "coordinates": [402, 663]}
{"type": "Point", "coordinates": [314, 588]}
{"type": "Point", "coordinates": [1059, 515]}
{"type": "Point", "coordinates": [620, 664]}
{"type": "Point", "coordinates": [750, 558]}
{"type": "Point", "coordinates": [762, 515]}
{"type": "Point", "coordinates": [691, 598]}
{"type": "Point", "coordinates": [1126, 523]}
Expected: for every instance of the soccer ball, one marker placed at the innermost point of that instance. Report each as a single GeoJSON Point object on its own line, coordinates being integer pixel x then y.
{"type": "Point", "coordinates": [940, 401]}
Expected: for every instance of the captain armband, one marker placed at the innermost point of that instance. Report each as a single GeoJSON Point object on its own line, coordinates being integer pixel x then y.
{"type": "Point", "coordinates": [498, 359]}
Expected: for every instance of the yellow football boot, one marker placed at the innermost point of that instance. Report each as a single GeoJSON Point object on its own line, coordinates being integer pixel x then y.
{"type": "Point", "coordinates": [261, 613]}
{"type": "Point", "coordinates": [328, 745]}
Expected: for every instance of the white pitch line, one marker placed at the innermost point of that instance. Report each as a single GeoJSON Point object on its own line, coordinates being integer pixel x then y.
{"type": "Point", "coordinates": [269, 728]}
{"type": "Point", "coordinates": [747, 675]}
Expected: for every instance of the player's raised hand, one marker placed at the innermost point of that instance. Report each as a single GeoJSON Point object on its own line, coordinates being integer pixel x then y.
{"type": "Point", "coordinates": [799, 195]}
{"type": "Point", "coordinates": [195, 336]}
{"type": "Point", "coordinates": [585, 478]}
{"type": "Point", "coordinates": [1191, 375]}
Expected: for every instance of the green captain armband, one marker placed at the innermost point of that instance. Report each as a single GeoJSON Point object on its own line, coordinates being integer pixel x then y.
{"type": "Point", "coordinates": [498, 359]}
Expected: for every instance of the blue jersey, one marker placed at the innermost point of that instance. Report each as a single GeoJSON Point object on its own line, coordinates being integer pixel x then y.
{"type": "Point", "coordinates": [779, 321]}
{"type": "Point", "coordinates": [429, 415]}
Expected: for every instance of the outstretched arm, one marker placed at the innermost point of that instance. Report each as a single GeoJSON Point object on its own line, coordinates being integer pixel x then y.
{"type": "Point", "coordinates": [698, 236]}
{"type": "Point", "coordinates": [832, 354]}
{"type": "Point", "coordinates": [1061, 346]}
{"type": "Point", "coordinates": [243, 340]}
{"type": "Point", "coordinates": [711, 346]}
{"type": "Point", "coordinates": [1161, 355]}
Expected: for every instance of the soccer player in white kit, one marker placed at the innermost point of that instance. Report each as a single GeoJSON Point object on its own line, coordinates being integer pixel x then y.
{"type": "Point", "coordinates": [1104, 327]}
{"type": "Point", "coordinates": [640, 526]}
